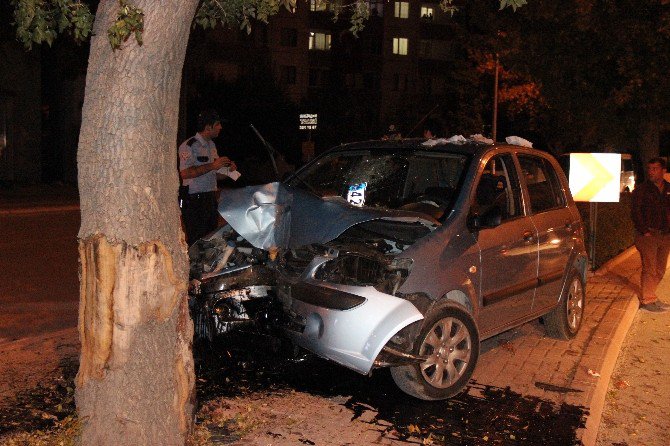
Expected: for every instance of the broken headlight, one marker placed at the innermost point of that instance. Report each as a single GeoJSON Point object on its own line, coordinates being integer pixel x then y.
{"type": "Point", "coordinates": [358, 270]}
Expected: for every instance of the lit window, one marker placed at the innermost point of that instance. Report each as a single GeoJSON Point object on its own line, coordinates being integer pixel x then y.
{"type": "Point", "coordinates": [317, 5]}
{"type": "Point", "coordinates": [426, 12]}
{"type": "Point", "coordinates": [402, 10]}
{"type": "Point", "coordinates": [400, 46]}
{"type": "Point", "coordinates": [319, 41]}
{"type": "Point", "coordinates": [325, 5]}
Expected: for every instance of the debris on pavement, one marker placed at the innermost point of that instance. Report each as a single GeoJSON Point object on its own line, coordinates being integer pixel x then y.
{"type": "Point", "coordinates": [621, 384]}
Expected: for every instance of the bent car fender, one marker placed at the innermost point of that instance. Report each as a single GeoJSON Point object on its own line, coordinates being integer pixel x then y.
{"type": "Point", "coordinates": [352, 337]}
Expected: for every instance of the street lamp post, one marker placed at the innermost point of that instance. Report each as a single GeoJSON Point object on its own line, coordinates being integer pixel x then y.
{"type": "Point", "coordinates": [494, 131]}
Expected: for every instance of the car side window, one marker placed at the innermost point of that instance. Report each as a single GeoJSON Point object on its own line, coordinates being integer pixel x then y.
{"type": "Point", "coordinates": [544, 187]}
{"type": "Point", "coordinates": [499, 186]}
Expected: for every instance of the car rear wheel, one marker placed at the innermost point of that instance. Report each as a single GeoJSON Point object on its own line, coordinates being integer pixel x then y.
{"type": "Point", "coordinates": [564, 321]}
{"type": "Point", "coordinates": [449, 342]}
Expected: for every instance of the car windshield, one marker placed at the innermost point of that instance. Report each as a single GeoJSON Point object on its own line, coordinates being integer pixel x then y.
{"type": "Point", "coordinates": [404, 179]}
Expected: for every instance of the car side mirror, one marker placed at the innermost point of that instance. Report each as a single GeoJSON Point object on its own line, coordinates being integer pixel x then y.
{"type": "Point", "coordinates": [491, 218]}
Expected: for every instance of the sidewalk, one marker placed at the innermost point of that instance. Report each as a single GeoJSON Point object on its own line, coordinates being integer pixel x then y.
{"type": "Point", "coordinates": [579, 372]}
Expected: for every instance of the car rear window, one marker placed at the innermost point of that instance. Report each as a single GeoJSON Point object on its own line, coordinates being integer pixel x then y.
{"type": "Point", "coordinates": [544, 187]}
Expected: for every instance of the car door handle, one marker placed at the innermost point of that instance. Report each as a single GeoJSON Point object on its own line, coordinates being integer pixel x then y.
{"type": "Point", "coordinates": [528, 236]}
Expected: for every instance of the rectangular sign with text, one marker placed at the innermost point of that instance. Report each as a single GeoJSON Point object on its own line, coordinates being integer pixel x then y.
{"type": "Point", "coordinates": [307, 121]}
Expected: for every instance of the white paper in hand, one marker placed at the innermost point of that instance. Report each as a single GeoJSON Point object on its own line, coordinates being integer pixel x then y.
{"type": "Point", "coordinates": [232, 174]}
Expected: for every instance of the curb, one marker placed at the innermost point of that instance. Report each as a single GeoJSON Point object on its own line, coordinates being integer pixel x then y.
{"type": "Point", "coordinates": [611, 263]}
{"type": "Point", "coordinates": [39, 209]}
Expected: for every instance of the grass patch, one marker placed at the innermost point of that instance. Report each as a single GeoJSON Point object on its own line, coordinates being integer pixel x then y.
{"type": "Point", "coordinates": [64, 433]}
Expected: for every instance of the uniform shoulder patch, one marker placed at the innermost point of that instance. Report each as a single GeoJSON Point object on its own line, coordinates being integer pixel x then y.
{"type": "Point", "coordinates": [185, 155]}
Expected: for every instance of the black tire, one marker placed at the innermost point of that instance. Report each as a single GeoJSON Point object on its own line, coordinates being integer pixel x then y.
{"type": "Point", "coordinates": [453, 332]}
{"type": "Point", "coordinates": [564, 321]}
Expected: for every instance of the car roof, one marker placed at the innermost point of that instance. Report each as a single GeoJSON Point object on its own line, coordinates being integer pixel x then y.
{"type": "Point", "coordinates": [468, 147]}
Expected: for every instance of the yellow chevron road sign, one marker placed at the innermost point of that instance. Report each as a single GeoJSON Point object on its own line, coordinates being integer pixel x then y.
{"type": "Point", "coordinates": [595, 177]}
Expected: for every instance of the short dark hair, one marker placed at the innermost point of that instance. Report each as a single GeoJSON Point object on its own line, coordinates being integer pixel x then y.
{"type": "Point", "coordinates": [658, 160]}
{"type": "Point", "coordinates": [207, 117]}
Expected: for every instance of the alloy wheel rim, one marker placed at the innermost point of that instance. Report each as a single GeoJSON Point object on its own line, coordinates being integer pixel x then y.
{"type": "Point", "coordinates": [575, 305]}
{"type": "Point", "coordinates": [448, 347]}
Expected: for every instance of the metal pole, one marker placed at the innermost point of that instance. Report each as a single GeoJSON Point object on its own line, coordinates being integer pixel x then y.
{"type": "Point", "coordinates": [494, 131]}
{"type": "Point", "coordinates": [593, 224]}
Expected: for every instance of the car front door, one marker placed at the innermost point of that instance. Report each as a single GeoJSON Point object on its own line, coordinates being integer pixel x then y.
{"type": "Point", "coordinates": [555, 226]}
{"type": "Point", "coordinates": [508, 251]}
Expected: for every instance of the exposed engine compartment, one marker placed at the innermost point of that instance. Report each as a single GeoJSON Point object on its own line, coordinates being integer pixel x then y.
{"type": "Point", "coordinates": [230, 285]}
{"type": "Point", "coordinates": [233, 283]}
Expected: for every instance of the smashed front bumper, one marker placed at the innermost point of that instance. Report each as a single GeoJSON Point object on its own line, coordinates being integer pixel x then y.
{"type": "Point", "coordinates": [347, 324]}
{"type": "Point", "coordinates": [230, 299]}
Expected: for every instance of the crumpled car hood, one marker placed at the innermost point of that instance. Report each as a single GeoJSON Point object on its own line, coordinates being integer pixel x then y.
{"type": "Point", "coordinates": [275, 215]}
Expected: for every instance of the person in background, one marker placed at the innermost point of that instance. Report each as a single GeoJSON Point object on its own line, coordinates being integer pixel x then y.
{"type": "Point", "coordinates": [431, 129]}
{"type": "Point", "coordinates": [392, 133]}
{"type": "Point", "coordinates": [198, 163]}
{"type": "Point", "coordinates": [650, 212]}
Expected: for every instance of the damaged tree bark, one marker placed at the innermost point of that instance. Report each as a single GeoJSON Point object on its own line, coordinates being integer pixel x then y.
{"type": "Point", "coordinates": [133, 320]}
{"type": "Point", "coordinates": [135, 384]}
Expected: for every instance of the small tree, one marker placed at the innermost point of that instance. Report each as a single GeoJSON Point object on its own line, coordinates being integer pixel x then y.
{"type": "Point", "coordinates": [135, 383]}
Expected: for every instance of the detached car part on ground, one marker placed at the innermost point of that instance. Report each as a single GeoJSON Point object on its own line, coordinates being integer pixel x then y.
{"type": "Point", "coordinates": [400, 254]}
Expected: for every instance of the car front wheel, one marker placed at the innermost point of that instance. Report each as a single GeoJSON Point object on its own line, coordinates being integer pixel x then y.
{"type": "Point", "coordinates": [449, 342]}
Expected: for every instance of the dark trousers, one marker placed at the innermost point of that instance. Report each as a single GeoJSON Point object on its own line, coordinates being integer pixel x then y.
{"type": "Point", "coordinates": [199, 213]}
{"type": "Point", "coordinates": [654, 250]}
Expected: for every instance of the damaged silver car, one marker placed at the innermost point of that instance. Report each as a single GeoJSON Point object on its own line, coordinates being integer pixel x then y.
{"type": "Point", "coordinates": [400, 254]}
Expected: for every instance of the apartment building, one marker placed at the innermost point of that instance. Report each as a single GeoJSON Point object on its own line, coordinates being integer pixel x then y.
{"type": "Point", "coordinates": [391, 72]}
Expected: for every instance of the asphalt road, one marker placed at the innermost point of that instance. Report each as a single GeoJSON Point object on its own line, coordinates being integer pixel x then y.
{"type": "Point", "coordinates": [39, 284]}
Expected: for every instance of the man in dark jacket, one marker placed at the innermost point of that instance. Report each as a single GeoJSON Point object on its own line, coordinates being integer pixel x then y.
{"type": "Point", "coordinates": [650, 211]}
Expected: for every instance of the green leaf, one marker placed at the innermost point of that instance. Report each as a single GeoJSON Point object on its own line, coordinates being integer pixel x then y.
{"type": "Point", "coordinates": [41, 21]}
{"type": "Point", "coordinates": [129, 21]}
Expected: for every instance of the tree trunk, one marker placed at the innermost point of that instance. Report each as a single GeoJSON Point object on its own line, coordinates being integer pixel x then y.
{"type": "Point", "coordinates": [649, 140]}
{"type": "Point", "coordinates": [135, 384]}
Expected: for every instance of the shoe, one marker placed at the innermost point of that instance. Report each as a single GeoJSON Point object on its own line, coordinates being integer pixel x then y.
{"type": "Point", "coordinates": [653, 307]}
{"type": "Point", "coordinates": [662, 304]}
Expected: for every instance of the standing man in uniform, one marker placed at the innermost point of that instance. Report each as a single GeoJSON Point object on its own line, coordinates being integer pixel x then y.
{"type": "Point", "coordinates": [650, 211]}
{"type": "Point", "coordinates": [198, 163]}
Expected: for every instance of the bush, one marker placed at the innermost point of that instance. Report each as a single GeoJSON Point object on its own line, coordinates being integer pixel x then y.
{"type": "Point", "coordinates": [614, 229]}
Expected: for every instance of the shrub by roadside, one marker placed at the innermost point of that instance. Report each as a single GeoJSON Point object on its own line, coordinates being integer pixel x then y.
{"type": "Point", "coordinates": [614, 231]}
